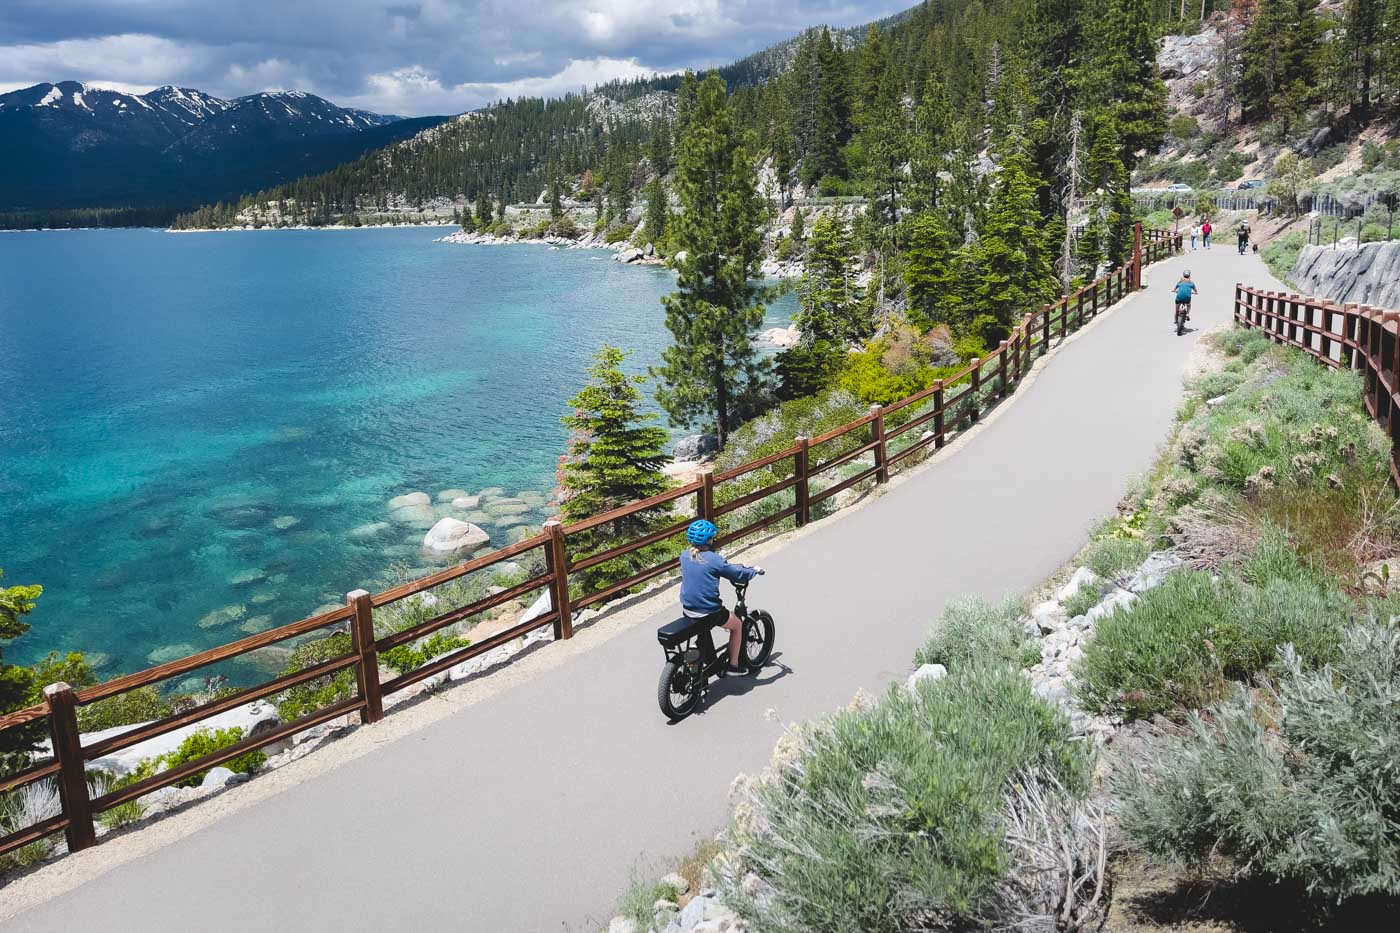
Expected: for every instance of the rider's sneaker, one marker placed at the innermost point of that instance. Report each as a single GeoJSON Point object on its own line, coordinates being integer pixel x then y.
{"type": "Point", "coordinates": [731, 669]}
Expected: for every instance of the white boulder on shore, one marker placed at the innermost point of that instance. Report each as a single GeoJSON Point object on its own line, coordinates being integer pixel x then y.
{"type": "Point", "coordinates": [780, 337]}
{"type": "Point", "coordinates": [451, 535]}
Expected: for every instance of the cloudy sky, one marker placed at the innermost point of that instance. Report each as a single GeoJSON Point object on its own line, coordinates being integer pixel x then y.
{"type": "Point", "coordinates": [411, 57]}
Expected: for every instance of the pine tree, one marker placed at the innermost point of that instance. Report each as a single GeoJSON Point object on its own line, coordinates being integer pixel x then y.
{"type": "Point", "coordinates": [830, 303]}
{"type": "Point", "coordinates": [711, 371]}
{"type": "Point", "coordinates": [928, 149]}
{"type": "Point", "coordinates": [658, 211]}
{"type": "Point", "coordinates": [1012, 253]}
{"type": "Point", "coordinates": [556, 200]}
{"type": "Point", "coordinates": [615, 457]}
{"type": "Point", "coordinates": [1364, 24]}
{"type": "Point", "coordinates": [659, 147]}
{"type": "Point", "coordinates": [1108, 233]}
{"type": "Point", "coordinates": [831, 121]}
{"type": "Point", "coordinates": [930, 283]}
{"type": "Point", "coordinates": [1280, 54]}
{"type": "Point", "coordinates": [16, 683]}
{"type": "Point", "coordinates": [1136, 92]}
{"type": "Point", "coordinates": [885, 151]}
{"type": "Point", "coordinates": [483, 211]}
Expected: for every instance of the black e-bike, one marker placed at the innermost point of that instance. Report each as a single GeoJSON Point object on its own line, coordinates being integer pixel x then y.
{"type": "Point", "coordinates": [691, 658]}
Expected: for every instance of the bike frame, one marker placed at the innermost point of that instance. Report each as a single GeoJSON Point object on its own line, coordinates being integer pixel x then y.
{"type": "Point", "coordinates": [704, 641]}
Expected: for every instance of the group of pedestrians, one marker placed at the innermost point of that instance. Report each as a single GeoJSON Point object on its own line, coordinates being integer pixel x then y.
{"type": "Point", "coordinates": [1201, 233]}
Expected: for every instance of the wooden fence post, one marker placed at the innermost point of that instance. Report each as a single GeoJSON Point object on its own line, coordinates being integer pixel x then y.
{"type": "Point", "coordinates": [1309, 315]}
{"type": "Point", "coordinates": [1137, 255]}
{"type": "Point", "coordinates": [877, 437]}
{"type": "Point", "coordinates": [367, 671]}
{"type": "Point", "coordinates": [557, 565]}
{"type": "Point", "coordinates": [1045, 328]}
{"type": "Point", "coordinates": [72, 775]}
{"type": "Point", "coordinates": [804, 504]}
{"type": "Point", "coordinates": [1001, 369]}
{"type": "Point", "coordinates": [973, 402]}
{"type": "Point", "coordinates": [705, 497]}
{"type": "Point", "coordinates": [1326, 339]}
{"type": "Point", "coordinates": [938, 425]}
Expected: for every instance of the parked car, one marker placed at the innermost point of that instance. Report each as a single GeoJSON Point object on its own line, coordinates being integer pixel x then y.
{"type": "Point", "coordinates": [1180, 186]}
{"type": "Point", "coordinates": [1249, 183]}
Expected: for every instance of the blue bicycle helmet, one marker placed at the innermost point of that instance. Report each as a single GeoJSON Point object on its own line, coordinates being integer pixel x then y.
{"type": "Point", "coordinates": [701, 532]}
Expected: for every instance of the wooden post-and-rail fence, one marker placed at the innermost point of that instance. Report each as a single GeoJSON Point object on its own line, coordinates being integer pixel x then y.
{"type": "Point", "coordinates": [1348, 336]}
{"type": "Point", "coordinates": [887, 438]}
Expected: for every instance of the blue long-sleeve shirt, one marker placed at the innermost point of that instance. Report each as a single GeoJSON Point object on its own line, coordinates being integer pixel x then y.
{"type": "Point", "coordinates": [700, 580]}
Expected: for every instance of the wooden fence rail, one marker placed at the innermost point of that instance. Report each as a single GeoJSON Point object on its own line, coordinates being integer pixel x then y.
{"type": "Point", "coordinates": [806, 475]}
{"type": "Point", "coordinates": [1350, 336]}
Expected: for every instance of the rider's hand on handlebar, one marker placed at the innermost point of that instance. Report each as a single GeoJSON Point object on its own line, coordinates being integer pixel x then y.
{"type": "Point", "coordinates": [759, 571]}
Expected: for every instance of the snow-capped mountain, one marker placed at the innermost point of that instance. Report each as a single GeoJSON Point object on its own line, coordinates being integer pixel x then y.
{"type": "Point", "coordinates": [72, 145]}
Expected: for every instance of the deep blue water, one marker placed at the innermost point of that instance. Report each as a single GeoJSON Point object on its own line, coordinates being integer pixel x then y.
{"type": "Point", "coordinates": [195, 422]}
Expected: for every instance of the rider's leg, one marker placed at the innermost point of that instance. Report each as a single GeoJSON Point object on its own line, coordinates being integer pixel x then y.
{"type": "Point", "coordinates": [736, 638]}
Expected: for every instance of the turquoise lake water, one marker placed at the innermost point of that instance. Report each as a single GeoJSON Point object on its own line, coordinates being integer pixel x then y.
{"type": "Point", "coordinates": [203, 422]}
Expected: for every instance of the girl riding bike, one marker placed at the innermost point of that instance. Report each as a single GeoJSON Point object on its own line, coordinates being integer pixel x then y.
{"type": "Point", "coordinates": [701, 570]}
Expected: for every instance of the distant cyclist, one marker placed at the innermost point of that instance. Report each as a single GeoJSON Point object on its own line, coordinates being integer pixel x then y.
{"type": "Point", "coordinates": [701, 570]}
{"type": "Point", "coordinates": [1185, 288]}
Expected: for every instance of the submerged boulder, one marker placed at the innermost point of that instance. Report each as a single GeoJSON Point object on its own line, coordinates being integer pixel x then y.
{"type": "Point", "coordinates": [450, 535]}
{"type": "Point", "coordinates": [408, 499]}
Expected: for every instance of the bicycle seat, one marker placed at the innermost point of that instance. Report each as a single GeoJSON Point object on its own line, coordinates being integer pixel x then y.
{"type": "Point", "coordinates": [686, 628]}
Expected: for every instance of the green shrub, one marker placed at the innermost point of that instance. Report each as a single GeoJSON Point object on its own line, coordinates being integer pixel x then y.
{"type": "Point", "coordinates": [617, 233]}
{"type": "Point", "coordinates": [204, 742]}
{"type": "Point", "coordinates": [1281, 253]}
{"type": "Point", "coordinates": [1183, 126]}
{"type": "Point", "coordinates": [1182, 643]}
{"type": "Point", "coordinates": [777, 429]}
{"type": "Point", "coordinates": [889, 817]}
{"type": "Point", "coordinates": [143, 704]}
{"type": "Point", "coordinates": [1297, 786]}
{"type": "Point", "coordinates": [973, 631]}
{"type": "Point", "coordinates": [1116, 557]}
{"type": "Point", "coordinates": [1231, 166]}
{"type": "Point", "coordinates": [638, 900]}
{"type": "Point", "coordinates": [320, 691]}
{"type": "Point", "coordinates": [1083, 599]}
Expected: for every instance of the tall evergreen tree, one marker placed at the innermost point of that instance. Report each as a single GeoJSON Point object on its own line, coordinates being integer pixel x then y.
{"type": "Point", "coordinates": [711, 371]}
{"type": "Point", "coordinates": [831, 118]}
{"type": "Point", "coordinates": [830, 303]}
{"type": "Point", "coordinates": [1012, 252]}
{"type": "Point", "coordinates": [616, 453]}
{"type": "Point", "coordinates": [658, 211]}
{"type": "Point", "coordinates": [884, 155]}
{"type": "Point", "coordinates": [1280, 55]}
{"type": "Point", "coordinates": [929, 274]}
{"type": "Point", "coordinates": [483, 210]}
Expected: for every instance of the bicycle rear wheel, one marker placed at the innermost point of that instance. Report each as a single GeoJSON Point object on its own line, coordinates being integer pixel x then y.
{"type": "Point", "coordinates": [679, 690]}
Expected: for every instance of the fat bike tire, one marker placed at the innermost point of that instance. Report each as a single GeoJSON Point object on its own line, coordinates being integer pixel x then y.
{"type": "Point", "coordinates": [759, 632]}
{"type": "Point", "coordinates": [678, 692]}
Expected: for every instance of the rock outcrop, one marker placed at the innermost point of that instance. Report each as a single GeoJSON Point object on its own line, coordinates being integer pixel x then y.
{"type": "Point", "coordinates": [1368, 275]}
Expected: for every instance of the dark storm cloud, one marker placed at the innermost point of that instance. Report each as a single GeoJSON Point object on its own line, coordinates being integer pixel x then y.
{"type": "Point", "coordinates": [430, 56]}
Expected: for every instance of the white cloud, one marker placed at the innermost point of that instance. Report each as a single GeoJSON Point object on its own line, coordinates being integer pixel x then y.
{"type": "Point", "coordinates": [416, 90]}
{"type": "Point", "coordinates": [119, 62]}
{"type": "Point", "coordinates": [407, 56]}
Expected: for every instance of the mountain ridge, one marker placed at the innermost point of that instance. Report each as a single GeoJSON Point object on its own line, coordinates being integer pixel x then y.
{"type": "Point", "coordinates": [69, 145]}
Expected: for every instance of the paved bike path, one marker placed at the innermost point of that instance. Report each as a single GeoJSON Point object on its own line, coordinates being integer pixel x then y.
{"type": "Point", "coordinates": [529, 810]}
